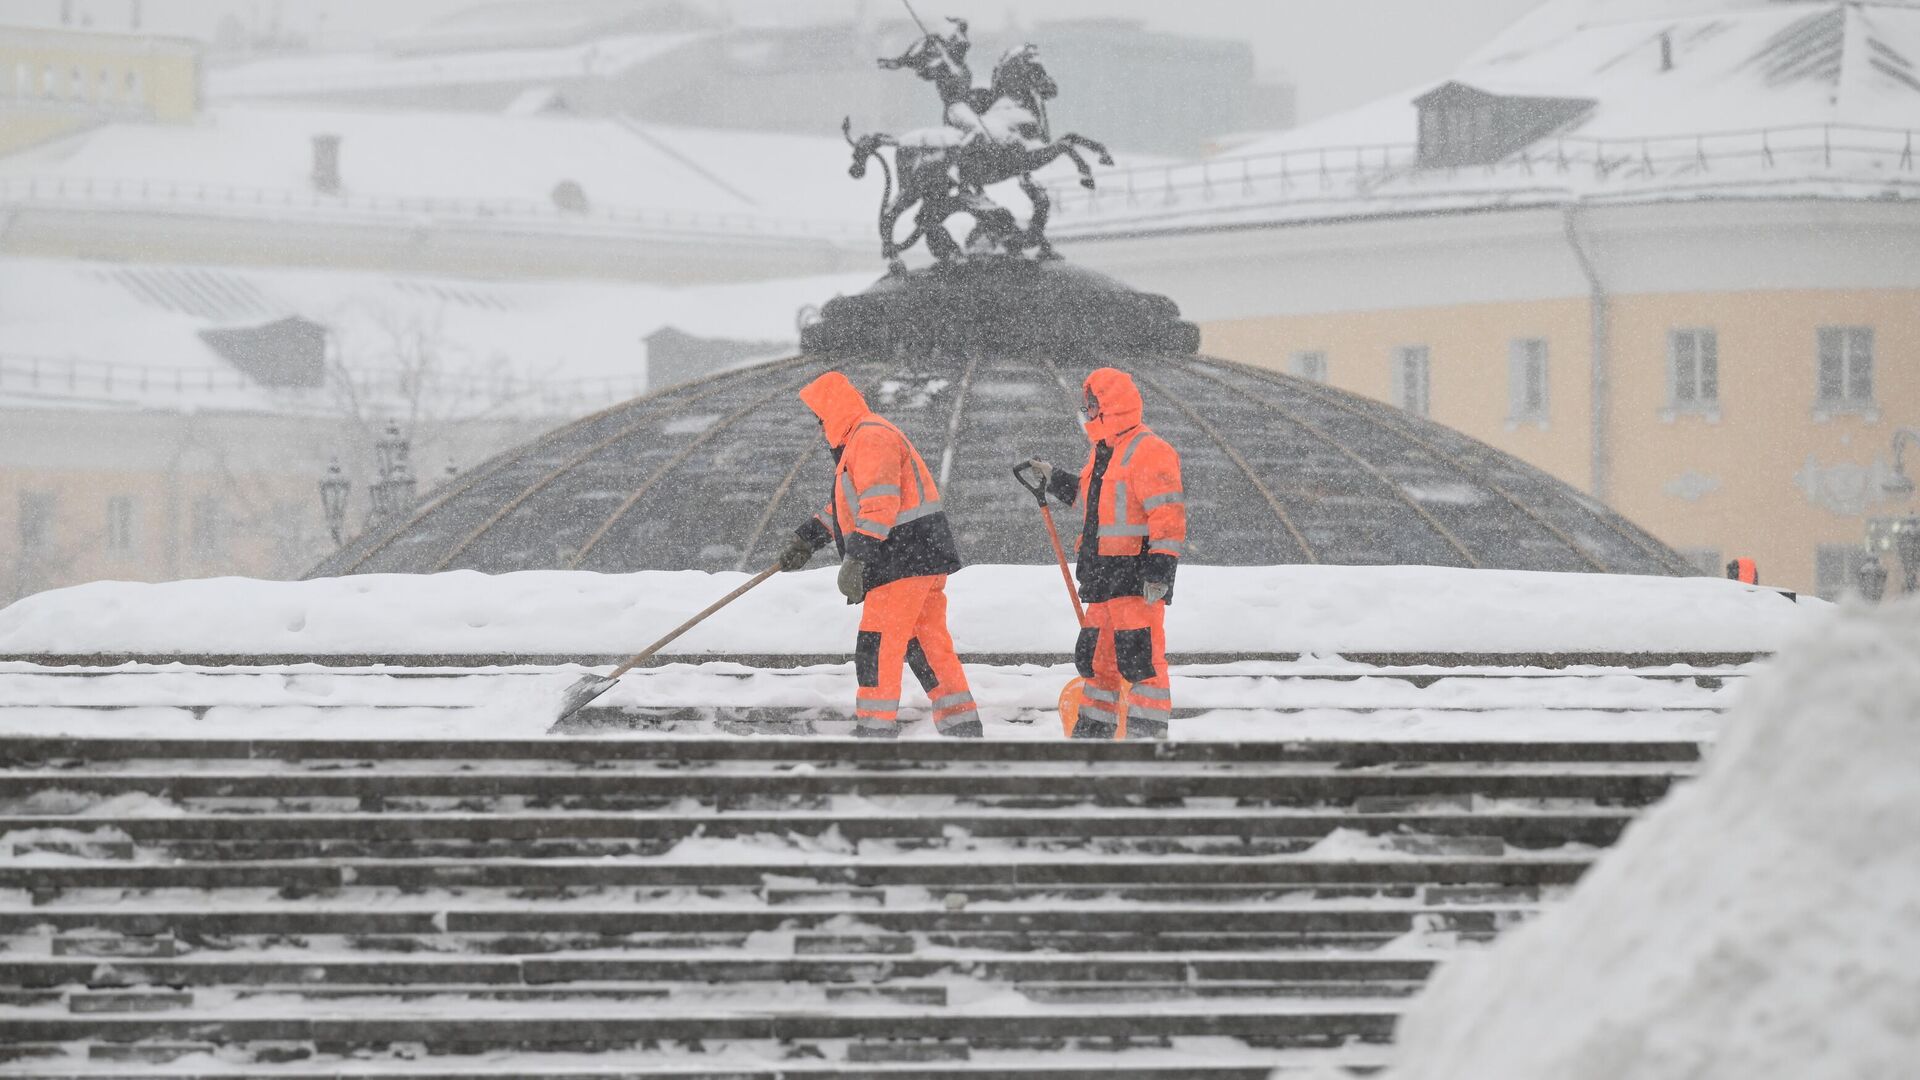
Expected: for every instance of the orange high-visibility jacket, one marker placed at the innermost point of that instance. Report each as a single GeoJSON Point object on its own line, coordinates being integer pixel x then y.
{"type": "Point", "coordinates": [884, 508]}
{"type": "Point", "coordinates": [1143, 508]}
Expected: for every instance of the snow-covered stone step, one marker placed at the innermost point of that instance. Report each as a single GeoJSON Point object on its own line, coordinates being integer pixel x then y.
{"type": "Point", "coordinates": [1249, 700]}
{"type": "Point", "coordinates": [167, 824]}
{"type": "Point", "coordinates": [290, 966]}
{"type": "Point", "coordinates": [479, 1026]}
{"type": "Point", "coordinates": [850, 941]}
{"type": "Point", "coordinates": [1177, 1059]}
{"type": "Point", "coordinates": [305, 920]}
{"type": "Point", "coordinates": [1486, 690]}
{"type": "Point", "coordinates": [295, 786]}
{"type": "Point", "coordinates": [955, 871]}
{"type": "Point", "coordinates": [789, 754]}
{"type": "Point", "coordinates": [749, 994]}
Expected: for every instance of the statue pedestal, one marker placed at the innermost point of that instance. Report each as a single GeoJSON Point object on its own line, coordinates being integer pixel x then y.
{"type": "Point", "coordinates": [1002, 304]}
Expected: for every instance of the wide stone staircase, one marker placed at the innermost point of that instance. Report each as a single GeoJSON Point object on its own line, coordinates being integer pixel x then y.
{"type": "Point", "coordinates": [724, 907]}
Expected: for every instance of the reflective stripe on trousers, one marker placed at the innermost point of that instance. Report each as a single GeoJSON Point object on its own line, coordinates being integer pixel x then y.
{"type": "Point", "coordinates": [895, 617]}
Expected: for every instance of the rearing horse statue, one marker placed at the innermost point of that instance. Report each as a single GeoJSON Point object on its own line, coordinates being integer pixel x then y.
{"type": "Point", "coordinates": [945, 170]}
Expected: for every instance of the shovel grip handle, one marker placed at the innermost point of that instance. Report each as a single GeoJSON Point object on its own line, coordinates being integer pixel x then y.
{"type": "Point", "coordinates": [1038, 488]}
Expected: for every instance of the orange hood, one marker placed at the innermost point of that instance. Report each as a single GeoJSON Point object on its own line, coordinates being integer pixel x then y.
{"type": "Point", "coordinates": [837, 403]}
{"type": "Point", "coordinates": [1120, 405]}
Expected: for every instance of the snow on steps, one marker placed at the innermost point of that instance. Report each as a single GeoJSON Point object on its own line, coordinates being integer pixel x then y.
{"type": "Point", "coordinates": [1249, 700]}
{"type": "Point", "coordinates": [766, 907]}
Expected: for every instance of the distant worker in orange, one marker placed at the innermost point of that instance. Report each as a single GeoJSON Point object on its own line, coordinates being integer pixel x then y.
{"type": "Point", "coordinates": [884, 518]}
{"type": "Point", "coordinates": [1744, 570]}
{"type": "Point", "coordinates": [1134, 533]}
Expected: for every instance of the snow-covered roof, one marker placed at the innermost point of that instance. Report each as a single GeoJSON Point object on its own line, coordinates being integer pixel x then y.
{"type": "Point", "coordinates": [283, 76]}
{"type": "Point", "coordinates": [76, 334]}
{"type": "Point", "coordinates": [1690, 98]}
{"type": "Point", "coordinates": [259, 159]}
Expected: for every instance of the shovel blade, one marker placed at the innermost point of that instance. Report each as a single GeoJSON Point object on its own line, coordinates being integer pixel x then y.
{"type": "Point", "coordinates": [582, 692]}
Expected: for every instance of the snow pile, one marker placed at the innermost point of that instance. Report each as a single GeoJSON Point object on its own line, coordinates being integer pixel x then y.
{"type": "Point", "coordinates": [1762, 922]}
{"type": "Point", "coordinates": [993, 609]}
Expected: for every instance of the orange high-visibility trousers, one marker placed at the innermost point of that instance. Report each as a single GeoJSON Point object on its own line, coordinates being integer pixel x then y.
{"type": "Point", "coordinates": [905, 621]}
{"type": "Point", "coordinates": [1124, 642]}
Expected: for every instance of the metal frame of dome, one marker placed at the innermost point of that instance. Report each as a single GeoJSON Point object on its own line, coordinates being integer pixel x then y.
{"type": "Point", "coordinates": [712, 475]}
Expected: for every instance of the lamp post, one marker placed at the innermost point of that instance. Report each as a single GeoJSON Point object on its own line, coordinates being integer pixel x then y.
{"type": "Point", "coordinates": [1898, 535]}
{"type": "Point", "coordinates": [333, 499]}
{"type": "Point", "coordinates": [393, 492]}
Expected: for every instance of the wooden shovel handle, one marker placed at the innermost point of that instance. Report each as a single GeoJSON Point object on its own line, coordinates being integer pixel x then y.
{"type": "Point", "coordinates": [644, 654]}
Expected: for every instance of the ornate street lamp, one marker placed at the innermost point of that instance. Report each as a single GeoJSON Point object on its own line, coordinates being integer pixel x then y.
{"type": "Point", "coordinates": [333, 499]}
{"type": "Point", "coordinates": [1897, 535]}
{"type": "Point", "coordinates": [394, 491]}
{"type": "Point", "coordinates": [1900, 485]}
{"type": "Point", "coordinates": [1872, 577]}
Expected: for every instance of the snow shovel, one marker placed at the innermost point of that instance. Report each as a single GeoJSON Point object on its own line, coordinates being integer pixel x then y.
{"type": "Point", "coordinates": [1038, 489]}
{"type": "Point", "coordinates": [1069, 705]}
{"type": "Point", "coordinates": [592, 686]}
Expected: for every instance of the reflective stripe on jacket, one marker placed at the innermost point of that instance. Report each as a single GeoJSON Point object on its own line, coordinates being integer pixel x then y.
{"type": "Point", "coordinates": [884, 508]}
{"type": "Point", "coordinates": [1143, 508]}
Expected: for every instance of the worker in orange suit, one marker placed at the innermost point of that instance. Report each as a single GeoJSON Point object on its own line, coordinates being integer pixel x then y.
{"type": "Point", "coordinates": [1744, 570]}
{"type": "Point", "coordinates": [1134, 533]}
{"type": "Point", "coordinates": [884, 517]}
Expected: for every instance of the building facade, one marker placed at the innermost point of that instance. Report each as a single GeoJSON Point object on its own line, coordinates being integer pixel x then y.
{"type": "Point", "coordinates": [54, 82]}
{"type": "Point", "coordinates": [1728, 376]}
{"type": "Point", "coordinates": [1642, 251]}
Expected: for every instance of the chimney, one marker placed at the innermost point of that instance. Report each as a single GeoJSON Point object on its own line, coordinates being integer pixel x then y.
{"type": "Point", "coordinates": [1666, 50]}
{"type": "Point", "coordinates": [326, 164]}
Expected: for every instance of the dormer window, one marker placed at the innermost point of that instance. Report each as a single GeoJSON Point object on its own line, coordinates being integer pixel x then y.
{"type": "Point", "coordinates": [1464, 125]}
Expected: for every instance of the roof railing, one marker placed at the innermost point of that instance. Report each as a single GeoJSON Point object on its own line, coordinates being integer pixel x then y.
{"type": "Point", "coordinates": [1394, 170]}
{"type": "Point", "coordinates": [175, 194]}
{"type": "Point", "coordinates": [73, 378]}
{"type": "Point", "coordinates": [1569, 164]}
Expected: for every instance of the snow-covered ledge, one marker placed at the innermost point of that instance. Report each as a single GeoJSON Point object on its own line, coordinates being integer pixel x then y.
{"type": "Point", "coordinates": [995, 611]}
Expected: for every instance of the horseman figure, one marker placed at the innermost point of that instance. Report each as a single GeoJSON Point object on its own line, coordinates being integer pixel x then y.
{"type": "Point", "coordinates": [941, 59]}
{"type": "Point", "coordinates": [999, 133]}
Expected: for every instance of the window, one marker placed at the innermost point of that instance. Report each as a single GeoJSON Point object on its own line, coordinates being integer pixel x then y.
{"type": "Point", "coordinates": [49, 79]}
{"type": "Point", "coordinates": [1527, 381]}
{"type": "Point", "coordinates": [135, 96]}
{"type": "Point", "coordinates": [76, 84]}
{"type": "Point", "coordinates": [1846, 368]}
{"type": "Point", "coordinates": [1706, 561]}
{"type": "Point", "coordinates": [207, 536]}
{"type": "Point", "coordinates": [1311, 366]}
{"type": "Point", "coordinates": [1412, 378]}
{"type": "Point", "coordinates": [36, 521]}
{"type": "Point", "coordinates": [1693, 371]}
{"type": "Point", "coordinates": [120, 523]}
{"type": "Point", "coordinates": [1836, 569]}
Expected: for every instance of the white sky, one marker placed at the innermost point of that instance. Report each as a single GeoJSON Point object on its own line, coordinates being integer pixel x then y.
{"type": "Point", "coordinates": [1339, 52]}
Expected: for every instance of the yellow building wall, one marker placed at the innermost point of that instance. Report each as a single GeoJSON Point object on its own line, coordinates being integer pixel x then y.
{"type": "Point", "coordinates": [53, 81]}
{"type": "Point", "coordinates": [1467, 349]}
{"type": "Point", "coordinates": [1738, 484]}
{"type": "Point", "coordinates": [1758, 451]}
{"type": "Point", "coordinates": [269, 526]}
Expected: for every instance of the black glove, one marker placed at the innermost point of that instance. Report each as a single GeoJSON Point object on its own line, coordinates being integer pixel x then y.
{"type": "Point", "coordinates": [853, 580]}
{"type": "Point", "coordinates": [797, 554]}
{"type": "Point", "coordinates": [1154, 591]}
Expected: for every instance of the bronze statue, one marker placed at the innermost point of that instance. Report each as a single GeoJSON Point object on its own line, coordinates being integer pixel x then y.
{"type": "Point", "coordinates": [989, 135]}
